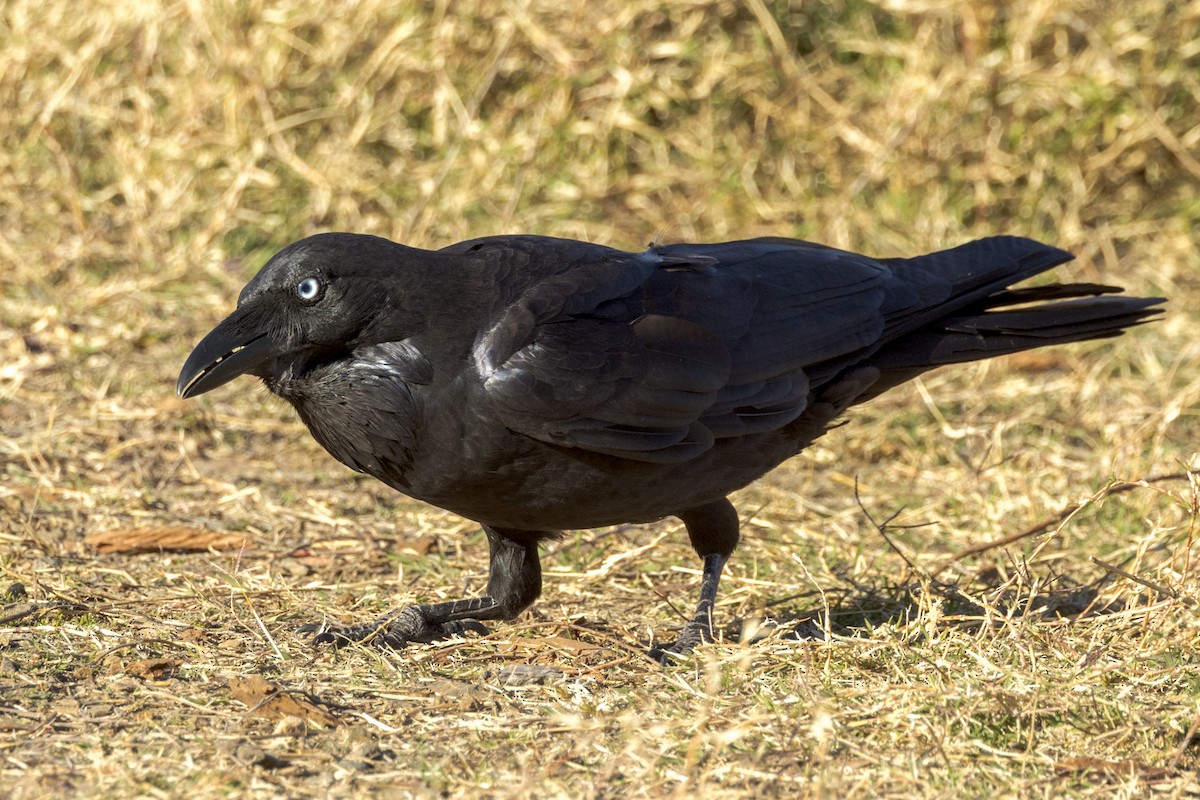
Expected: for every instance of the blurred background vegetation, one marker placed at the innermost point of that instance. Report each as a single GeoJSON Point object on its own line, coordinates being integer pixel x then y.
{"type": "Point", "coordinates": [166, 137]}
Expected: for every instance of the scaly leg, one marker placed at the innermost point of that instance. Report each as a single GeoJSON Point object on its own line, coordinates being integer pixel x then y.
{"type": "Point", "coordinates": [514, 582]}
{"type": "Point", "coordinates": [713, 530]}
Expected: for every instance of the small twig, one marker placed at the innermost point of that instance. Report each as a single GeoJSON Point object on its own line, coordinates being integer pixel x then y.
{"type": "Point", "coordinates": [665, 598]}
{"type": "Point", "coordinates": [266, 633]}
{"type": "Point", "coordinates": [883, 526]}
{"type": "Point", "coordinates": [607, 637]}
{"type": "Point", "coordinates": [1166, 591]}
{"type": "Point", "coordinates": [383, 726]}
{"type": "Point", "coordinates": [1117, 487]}
{"type": "Point", "coordinates": [1187, 740]}
{"type": "Point", "coordinates": [21, 612]}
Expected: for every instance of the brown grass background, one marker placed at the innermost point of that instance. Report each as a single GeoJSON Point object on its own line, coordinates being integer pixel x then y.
{"type": "Point", "coordinates": [153, 155]}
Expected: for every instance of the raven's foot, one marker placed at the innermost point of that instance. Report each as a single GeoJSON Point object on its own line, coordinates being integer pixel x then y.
{"type": "Point", "coordinates": [393, 630]}
{"type": "Point", "coordinates": [693, 633]}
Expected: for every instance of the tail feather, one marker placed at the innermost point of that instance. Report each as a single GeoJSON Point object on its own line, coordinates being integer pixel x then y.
{"type": "Point", "coordinates": [962, 277]}
{"type": "Point", "coordinates": [1001, 331]}
{"type": "Point", "coordinates": [982, 267]}
{"type": "Point", "coordinates": [955, 306]}
{"type": "Point", "coordinates": [1054, 291]}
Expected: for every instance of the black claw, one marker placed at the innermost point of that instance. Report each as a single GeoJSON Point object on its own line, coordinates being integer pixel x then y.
{"type": "Point", "coordinates": [466, 626]}
{"type": "Point", "coordinates": [670, 654]}
{"type": "Point", "coordinates": [665, 656]}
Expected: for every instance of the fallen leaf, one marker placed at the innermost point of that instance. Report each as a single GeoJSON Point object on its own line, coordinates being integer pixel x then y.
{"type": "Point", "coordinates": [266, 699]}
{"type": "Point", "coordinates": [170, 537]}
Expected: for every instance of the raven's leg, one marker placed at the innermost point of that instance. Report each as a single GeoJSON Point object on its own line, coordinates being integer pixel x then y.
{"type": "Point", "coordinates": [514, 582]}
{"type": "Point", "coordinates": [713, 530]}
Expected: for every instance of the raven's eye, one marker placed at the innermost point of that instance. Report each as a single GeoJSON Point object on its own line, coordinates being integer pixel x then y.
{"type": "Point", "coordinates": [309, 289]}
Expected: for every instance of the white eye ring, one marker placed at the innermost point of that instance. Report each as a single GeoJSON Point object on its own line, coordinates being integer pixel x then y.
{"type": "Point", "coordinates": [309, 289]}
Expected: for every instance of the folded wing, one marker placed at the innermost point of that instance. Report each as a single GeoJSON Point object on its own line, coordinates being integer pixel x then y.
{"type": "Point", "coordinates": [653, 356]}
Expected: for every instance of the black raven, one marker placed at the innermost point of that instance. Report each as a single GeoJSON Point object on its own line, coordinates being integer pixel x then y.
{"type": "Point", "coordinates": [537, 385]}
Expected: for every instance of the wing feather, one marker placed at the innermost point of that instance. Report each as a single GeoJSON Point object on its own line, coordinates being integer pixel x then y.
{"type": "Point", "coordinates": [653, 356]}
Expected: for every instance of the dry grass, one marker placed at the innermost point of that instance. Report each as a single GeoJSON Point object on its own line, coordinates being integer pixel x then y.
{"type": "Point", "coordinates": [154, 154]}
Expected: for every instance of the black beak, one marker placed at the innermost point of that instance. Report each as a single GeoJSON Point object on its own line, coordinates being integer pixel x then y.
{"type": "Point", "coordinates": [220, 357]}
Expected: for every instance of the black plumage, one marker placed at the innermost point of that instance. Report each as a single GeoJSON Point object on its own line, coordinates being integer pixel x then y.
{"type": "Point", "coordinates": [538, 385]}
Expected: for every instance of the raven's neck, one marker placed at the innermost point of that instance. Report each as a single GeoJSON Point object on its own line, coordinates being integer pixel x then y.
{"type": "Point", "coordinates": [364, 413]}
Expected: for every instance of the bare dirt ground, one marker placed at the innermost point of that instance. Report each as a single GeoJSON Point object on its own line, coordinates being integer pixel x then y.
{"type": "Point", "coordinates": [991, 571]}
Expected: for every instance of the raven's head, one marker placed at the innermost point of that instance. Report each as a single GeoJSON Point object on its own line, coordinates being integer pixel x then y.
{"type": "Point", "coordinates": [314, 299]}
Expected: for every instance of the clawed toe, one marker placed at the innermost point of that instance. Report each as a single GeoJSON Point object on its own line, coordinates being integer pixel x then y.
{"type": "Point", "coordinates": [393, 630]}
{"type": "Point", "coordinates": [681, 648]}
